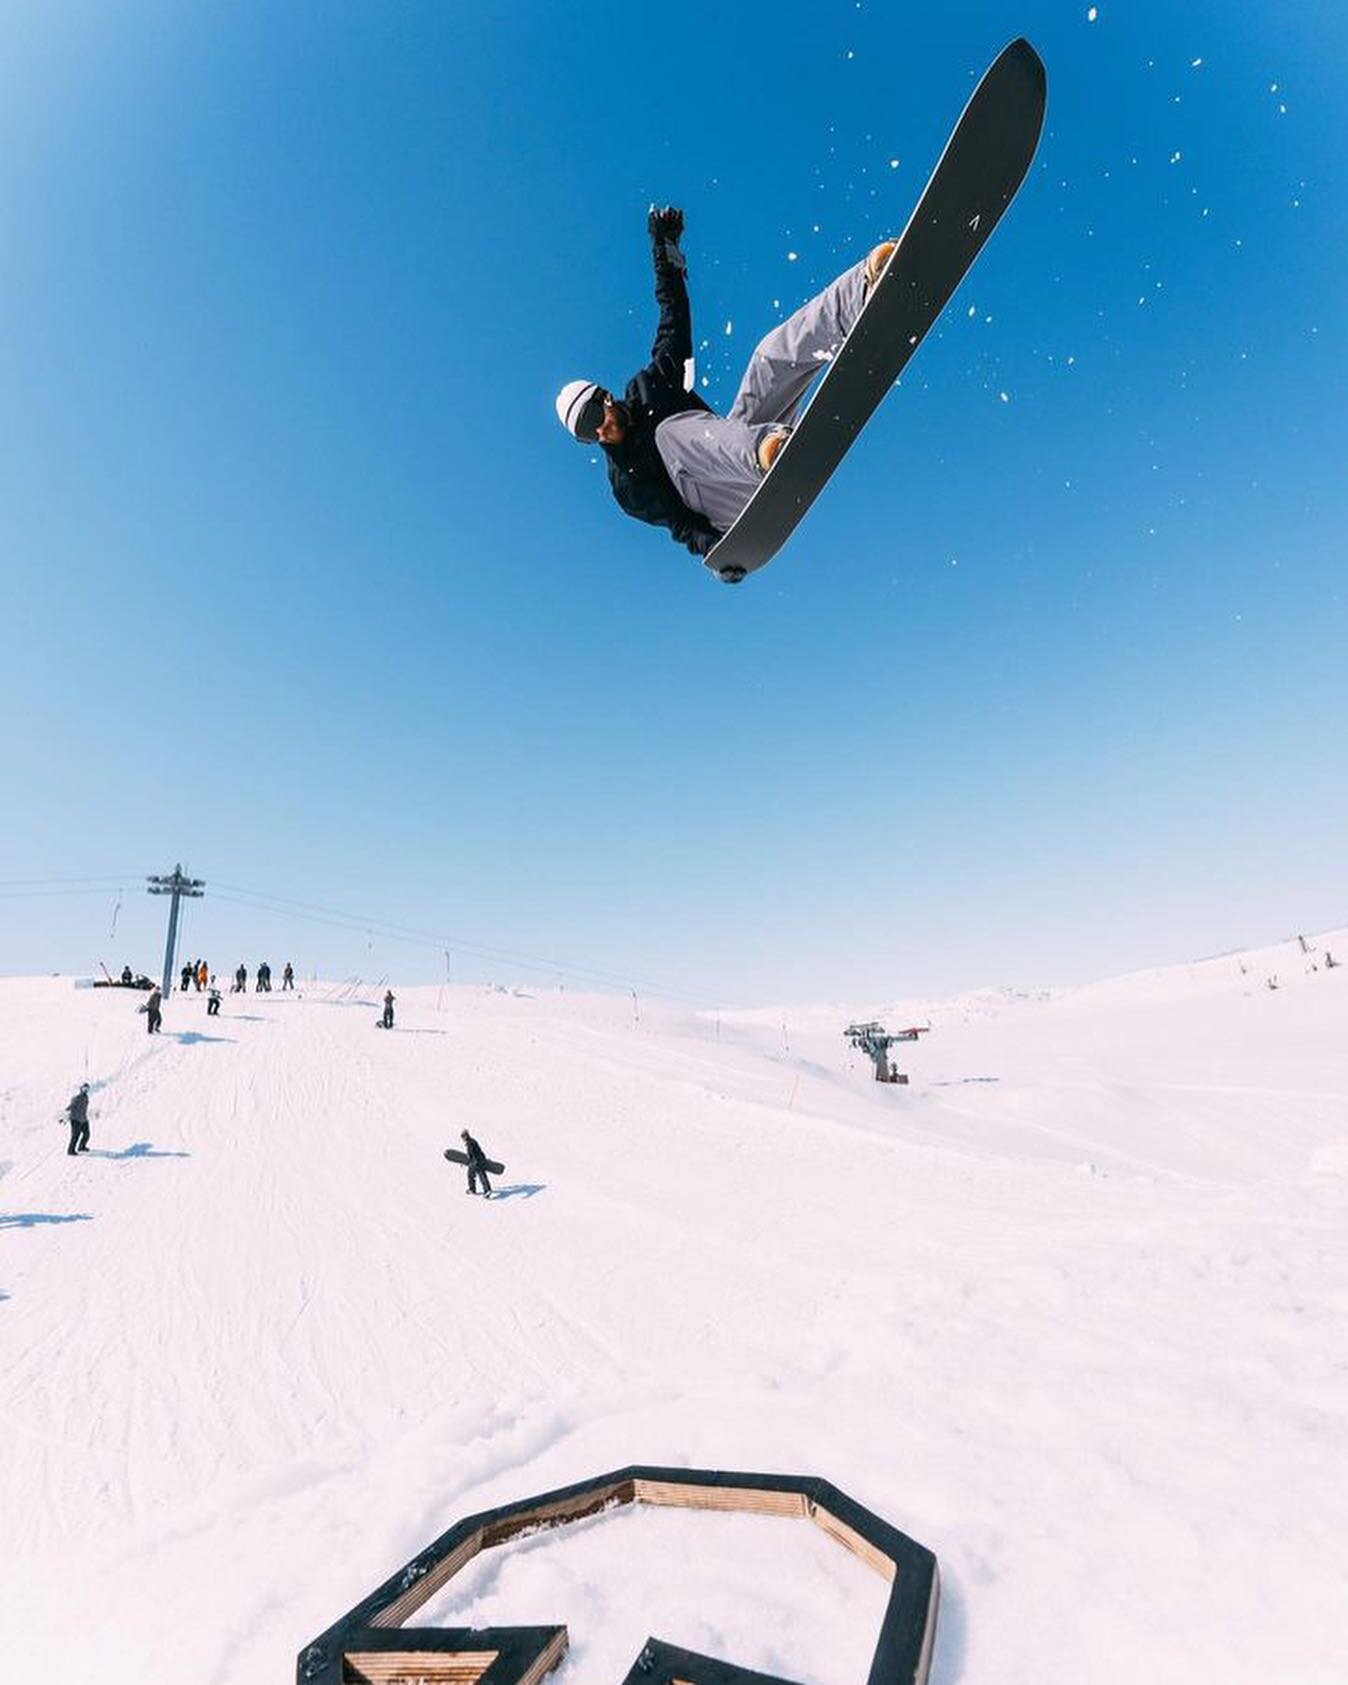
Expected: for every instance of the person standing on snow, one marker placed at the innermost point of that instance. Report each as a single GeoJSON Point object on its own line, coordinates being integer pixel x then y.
{"type": "Point", "coordinates": [153, 1011]}
{"type": "Point", "coordinates": [213, 1001]}
{"type": "Point", "coordinates": [185, 977]}
{"type": "Point", "coordinates": [387, 1019]}
{"type": "Point", "coordinates": [78, 1113]}
{"type": "Point", "coordinates": [287, 977]}
{"type": "Point", "coordinates": [477, 1165]}
{"type": "Point", "coordinates": [241, 980]}
{"type": "Point", "coordinates": [671, 460]}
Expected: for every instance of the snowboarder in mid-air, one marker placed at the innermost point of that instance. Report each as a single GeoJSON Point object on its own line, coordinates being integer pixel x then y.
{"type": "Point", "coordinates": [672, 461]}
{"type": "Point", "coordinates": [78, 1114]}
{"type": "Point", "coordinates": [477, 1165]}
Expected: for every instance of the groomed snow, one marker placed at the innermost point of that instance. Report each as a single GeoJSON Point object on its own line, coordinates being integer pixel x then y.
{"type": "Point", "coordinates": [1070, 1309]}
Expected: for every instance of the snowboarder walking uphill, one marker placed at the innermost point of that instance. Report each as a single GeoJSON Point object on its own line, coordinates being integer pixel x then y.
{"type": "Point", "coordinates": [387, 1019]}
{"type": "Point", "coordinates": [477, 1165]}
{"type": "Point", "coordinates": [78, 1113]}
{"type": "Point", "coordinates": [671, 460]}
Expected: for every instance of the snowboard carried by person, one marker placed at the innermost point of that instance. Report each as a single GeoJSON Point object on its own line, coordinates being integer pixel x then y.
{"type": "Point", "coordinates": [984, 163]}
{"type": "Point", "coordinates": [478, 1164]}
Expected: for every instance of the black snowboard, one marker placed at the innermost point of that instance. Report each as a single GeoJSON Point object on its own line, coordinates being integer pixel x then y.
{"type": "Point", "coordinates": [456, 1157]}
{"type": "Point", "coordinates": [984, 162]}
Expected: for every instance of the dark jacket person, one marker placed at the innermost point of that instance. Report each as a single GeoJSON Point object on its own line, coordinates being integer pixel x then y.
{"type": "Point", "coordinates": [78, 1113]}
{"type": "Point", "coordinates": [636, 472]}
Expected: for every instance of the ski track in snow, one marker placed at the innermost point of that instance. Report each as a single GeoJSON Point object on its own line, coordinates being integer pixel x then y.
{"type": "Point", "coordinates": [1069, 1309]}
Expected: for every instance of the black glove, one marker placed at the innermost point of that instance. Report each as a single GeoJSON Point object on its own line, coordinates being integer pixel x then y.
{"type": "Point", "coordinates": [665, 223]}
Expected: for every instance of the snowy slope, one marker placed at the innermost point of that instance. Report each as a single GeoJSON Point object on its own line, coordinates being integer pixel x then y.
{"type": "Point", "coordinates": [1069, 1309]}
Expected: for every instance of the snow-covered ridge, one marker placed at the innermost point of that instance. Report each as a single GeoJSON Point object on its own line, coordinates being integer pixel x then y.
{"type": "Point", "coordinates": [1066, 1309]}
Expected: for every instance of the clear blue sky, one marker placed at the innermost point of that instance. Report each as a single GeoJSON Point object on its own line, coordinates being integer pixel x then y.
{"type": "Point", "coordinates": [304, 586]}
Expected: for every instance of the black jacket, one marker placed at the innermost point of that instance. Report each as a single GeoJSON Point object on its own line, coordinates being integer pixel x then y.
{"type": "Point", "coordinates": [78, 1109]}
{"type": "Point", "coordinates": [635, 472]}
{"type": "Point", "coordinates": [476, 1157]}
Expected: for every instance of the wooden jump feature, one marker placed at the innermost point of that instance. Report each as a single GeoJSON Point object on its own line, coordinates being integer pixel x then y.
{"type": "Point", "coordinates": [371, 1646]}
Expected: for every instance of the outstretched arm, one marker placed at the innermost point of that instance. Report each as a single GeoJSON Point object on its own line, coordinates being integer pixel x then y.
{"type": "Point", "coordinates": [674, 336]}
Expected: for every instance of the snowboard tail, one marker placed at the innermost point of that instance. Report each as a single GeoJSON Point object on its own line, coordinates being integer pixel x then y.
{"type": "Point", "coordinates": [983, 165]}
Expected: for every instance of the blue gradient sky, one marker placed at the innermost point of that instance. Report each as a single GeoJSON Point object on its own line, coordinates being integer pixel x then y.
{"type": "Point", "coordinates": [303, 585]}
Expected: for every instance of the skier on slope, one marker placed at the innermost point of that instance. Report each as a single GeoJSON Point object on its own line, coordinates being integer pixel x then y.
{"type": "Point", "coordinates": [78, 1114]}
{"type": "Point", "coordinates": [671, 460]}
{"type": "Point", "coordinates": [477, 1165]}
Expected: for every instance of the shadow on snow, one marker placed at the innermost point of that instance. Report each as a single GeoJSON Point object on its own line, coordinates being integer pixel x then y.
{"type": "Point", "coordinates": [31, 1219]}
{"type": "Point", "coordinates": [137, 1149]}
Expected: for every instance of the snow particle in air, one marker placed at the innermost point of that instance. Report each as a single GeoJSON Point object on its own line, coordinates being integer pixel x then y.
{"type": "Point", "coordinates": [1175, 157]}
{"type": "Point", "coordinates": [1195, 64]}
{"type": "Point", "coordinates": [1092, 12]}
{"type": "Point", "coordinates": [792, 256]}
{"type": "Point", "coordinates": [893, 163]}
{"type": "Point", "coordinates": [730, 327]}
{"type": "Point", "coordinates": [1004, 397]}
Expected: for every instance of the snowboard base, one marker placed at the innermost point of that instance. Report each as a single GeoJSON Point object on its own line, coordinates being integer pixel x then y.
{"type": "Point", "coordinates": [490, 1165]}
{"type": "Point", "coordinates": [984, 162]}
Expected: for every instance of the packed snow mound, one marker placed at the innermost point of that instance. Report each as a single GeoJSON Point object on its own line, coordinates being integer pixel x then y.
{"type": "Point", "coordinates": [1066, 1308]}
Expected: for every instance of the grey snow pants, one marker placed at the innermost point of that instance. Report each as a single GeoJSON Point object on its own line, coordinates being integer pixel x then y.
{"type": "Point", "coordinates": [713, 459]}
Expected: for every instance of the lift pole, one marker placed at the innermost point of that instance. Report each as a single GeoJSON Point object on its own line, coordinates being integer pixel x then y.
{"type": "Point", "coordinates": [177, 886]}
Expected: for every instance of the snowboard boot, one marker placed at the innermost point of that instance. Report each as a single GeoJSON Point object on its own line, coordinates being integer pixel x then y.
{"type": "Point", "coordinates": [770, 447]}
{"type": "Point", "coordinates": [875, 263]}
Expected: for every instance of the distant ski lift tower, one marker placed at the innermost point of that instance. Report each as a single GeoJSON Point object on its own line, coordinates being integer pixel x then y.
{"type": "Point", "coordinates": [875, 1041]}
{"type": "Point", "coordinates": [177, 886]}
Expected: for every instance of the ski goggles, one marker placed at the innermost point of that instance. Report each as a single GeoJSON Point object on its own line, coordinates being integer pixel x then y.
{"type": "Point", "coordinates": [591, 415]}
